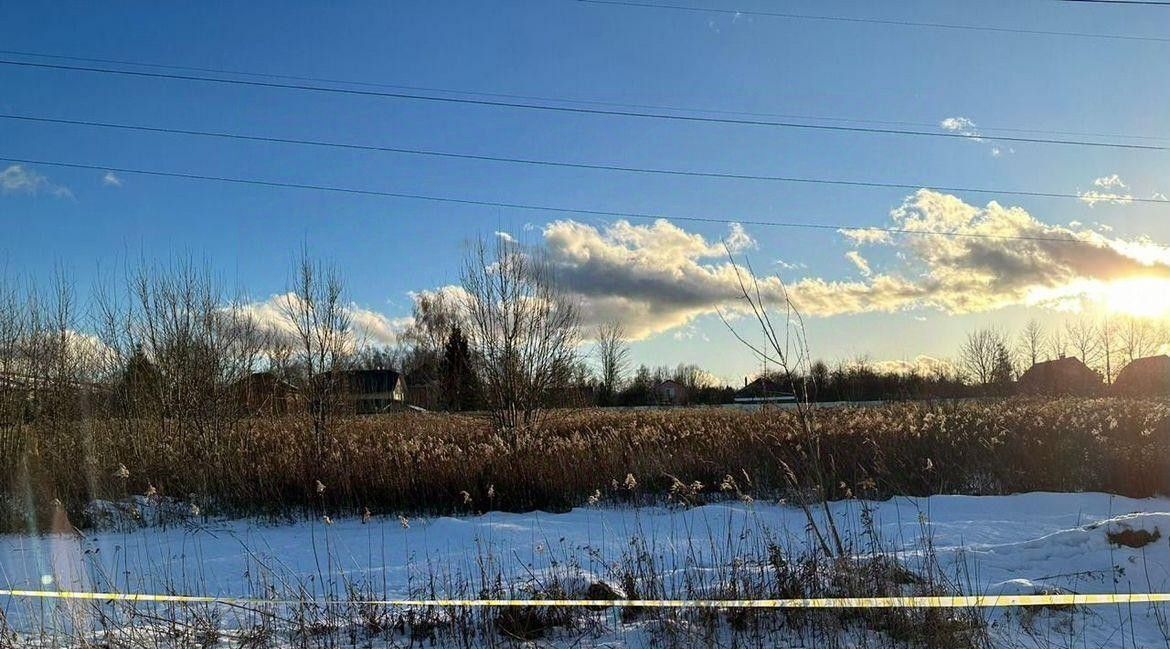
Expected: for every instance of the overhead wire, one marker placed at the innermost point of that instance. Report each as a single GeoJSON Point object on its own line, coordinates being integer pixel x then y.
{"type": "Point", "coordinates": [549, 163]}
{"type": "Point", "coordinates": [559, 100]}
{"type": "Point", "coordinates": [1070, 239]}
{"type": "Point", "coordinates": [584, 111]}
{"type": "Point", "coordinates": [878, 21]}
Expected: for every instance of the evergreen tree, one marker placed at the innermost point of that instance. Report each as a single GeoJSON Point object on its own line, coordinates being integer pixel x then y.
{"type": "Point", "coordinates": [141, 384]}
{"type": "Point", "coordinates": [1001, 373]}
{"type": "Point", "coordinates": [459, 380]}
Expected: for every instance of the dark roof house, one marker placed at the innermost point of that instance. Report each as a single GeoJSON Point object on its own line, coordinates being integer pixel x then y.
{"type": "Point", "coordinates": [371, 391]}
{"type": "Point", "coordinates": [1148, 377]}
{"type": "Point", "coordinates": [1066, 375]}
{"type": "Point", "coordinates": [763, 390]}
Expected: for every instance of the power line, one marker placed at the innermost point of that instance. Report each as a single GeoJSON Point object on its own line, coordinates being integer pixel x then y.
{"type": "Point", "coordinates": [1151, 3]}
{"type": "Point", "coordinates": [560, 100]}
{"type": "Point", "coordinates": [549, 163]}
{"type": "Point", "coordinates": [880, 21]}
{"type": "Point", "coordinates": [581, 111]}
{"type": "Point", "coordinates": [536, 208]}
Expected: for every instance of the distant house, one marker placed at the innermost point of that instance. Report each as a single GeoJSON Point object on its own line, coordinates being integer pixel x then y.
{"type": "Point", "coordinates": [1066, 375]}
{"type": "Point", "coordinates": [669, 393]}
{"type": "Point", "coordinates": [264, 393]}
{"type": "Point", "coordinates": [1149, 376]}
{"type": "Point", "coordinates": [763, 390]}
{"type": "Point", "coordinates": [371, 391]}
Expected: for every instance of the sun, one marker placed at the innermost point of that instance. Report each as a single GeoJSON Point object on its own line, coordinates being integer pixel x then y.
{"type": "Point", "coordinates": [1142, 297]}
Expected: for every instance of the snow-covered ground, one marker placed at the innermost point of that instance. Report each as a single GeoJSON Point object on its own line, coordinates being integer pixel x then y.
{"type": "Point", "coordinates": [1027, 543]}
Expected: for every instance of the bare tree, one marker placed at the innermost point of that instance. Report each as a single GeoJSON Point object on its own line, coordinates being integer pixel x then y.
{"type": "Point", "coordinates": [785, 346]}
{"type": "Point", "coordinates": [982, 356]}
{"type": "Point", "coordinates": [174, 348]}
{"type": "Point", "coordinates": [1031, 340]}
{"type": "Point", "coordinates": [315, 308]}
{"type": "Point", "coordinates": [1082, 336]}
{"type": "Point", "coordinates": [433, 316]}
{"type": "Point", "coordinates": [1107, 342]}
{"type": "Point", "coordinates": [523, 329]}
{"type": "Point", "coordinates": [1057, 344]}
{"type": "Point", "coordinates": [1139, 337]}
{"type": "Point", "coordinates": [613, 354]}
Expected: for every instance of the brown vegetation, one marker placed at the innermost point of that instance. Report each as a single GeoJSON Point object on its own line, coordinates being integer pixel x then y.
{"type": "Point", "coordinates": [425, 462]}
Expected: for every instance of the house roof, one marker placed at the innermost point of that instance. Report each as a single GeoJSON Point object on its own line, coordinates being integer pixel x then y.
{"type": "Point", "coordinates": [369, 381]}
{"type": "Point", "coordinates": [1065, 366]}
{"type": "Point", "coordinates": [1061, 375]}
{"type": "Point", "coordinates": [762, 386]}
{"type": "Point", "coordinates": [1160, 363]}
{"type": "Point", "coordinates": [1065, 361]}
{"type": "Point", "coordinates": [1144, 375]}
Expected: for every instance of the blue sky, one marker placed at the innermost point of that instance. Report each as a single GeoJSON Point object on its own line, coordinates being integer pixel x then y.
{"type": "Point", "coordinates": [388, 248]}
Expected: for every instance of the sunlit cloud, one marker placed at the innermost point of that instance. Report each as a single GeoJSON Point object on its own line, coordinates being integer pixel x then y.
{"type": "Point", "coordinates": [866, 236]}
{"type": "Point", "coordinates": [921, 366]}
{"type": "Point", "coordinates": [652, 278]}
{"type": "Point", "coordinates": [1092, 197]}
{"type": "Point", "coordinates": [1007, 258]}
{"type": "Point", "coordinates": [860, 262]}
{"type": "Point", "coordinates": [660, 277]}
{"type": "Point", "coordinates": [368, 327]}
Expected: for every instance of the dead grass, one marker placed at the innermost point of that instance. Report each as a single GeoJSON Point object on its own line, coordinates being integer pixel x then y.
{"type": "Point", "coordinates": [432, 463]}
{"type": "Point", "coordinates": [1133, 538]}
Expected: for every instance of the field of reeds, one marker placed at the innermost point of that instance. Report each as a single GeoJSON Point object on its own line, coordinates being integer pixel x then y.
{"type": "Point", "coordinates": [437, 463]}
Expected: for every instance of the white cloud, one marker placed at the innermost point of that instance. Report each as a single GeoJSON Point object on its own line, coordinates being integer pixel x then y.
{"type": "Point", "coordinates": [86, 351]}
{"type": "Point", "coordinates": [967, 128]}
{"type": "Point", "coordinates": [505, 236]}
{"type": "Point", "coordinates": [921, 365]}
{"type": "Point", "coordinates": [1037, 263]}
{"type": "Point", "coordinates": [962, 126]}
{"type": "Point", "coordinates": [689, 332]}
{"type": "Point", "coordinates": [1109, 192]}
{"type": "Point", "coordinates": [862, 236]}
{"type": "Point", "coordinates": [659, 277]}
{"type": "Point", "coordinates": [1092, 197]}
{"type": "Point", "coordinates": [739, 240]}
{"type": "Point", "coordinates": [1110, 182]}
{"type": "Point", "coordinates": [369, 327]}
{"type": "Point", "coordinates": [111, 180]}
{"type": "Point", "coordinates": [653, 278]}
{"type": "Point", "coordinates": [17, 179]}
{"type": "Point", "coordinates": [860, 262]}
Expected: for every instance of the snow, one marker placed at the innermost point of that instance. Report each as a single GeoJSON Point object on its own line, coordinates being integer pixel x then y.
{"type": "Point", "coordinates": [1019, 544]}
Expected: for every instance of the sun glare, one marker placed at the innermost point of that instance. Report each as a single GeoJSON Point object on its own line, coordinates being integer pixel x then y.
{"type": "Point", "coordinates": [1143, 297]}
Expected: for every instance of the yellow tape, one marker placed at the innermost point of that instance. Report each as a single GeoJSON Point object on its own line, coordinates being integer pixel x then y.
{"type": "Point", "coordinates": [963, 601]}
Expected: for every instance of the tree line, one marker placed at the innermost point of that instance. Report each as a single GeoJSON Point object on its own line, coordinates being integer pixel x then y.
{"type": "Point", "coordinates": [991, 358]}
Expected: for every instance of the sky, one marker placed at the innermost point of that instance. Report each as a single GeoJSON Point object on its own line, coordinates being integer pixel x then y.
{"type": "Point", "coordinates": [891, 297]}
